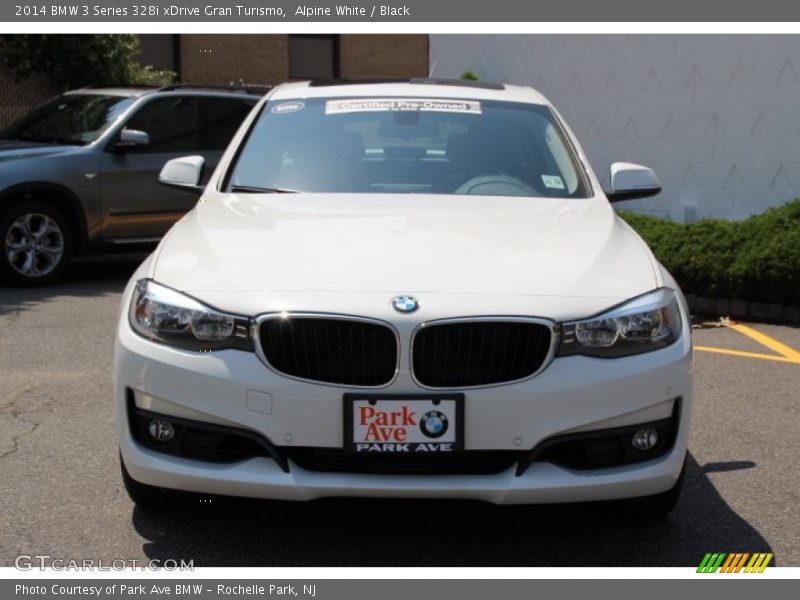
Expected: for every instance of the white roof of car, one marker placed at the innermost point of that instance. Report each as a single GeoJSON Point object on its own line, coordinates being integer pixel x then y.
{"type": "Point", "coordinates": [137, 91]}
{"type": "Point", "coordinates": [125, 92]}
{"type": "Point", "coordinates": [422, 88]}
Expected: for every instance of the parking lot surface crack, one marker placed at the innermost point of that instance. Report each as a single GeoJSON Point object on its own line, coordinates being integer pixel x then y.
{"type": "Point", "coordinates": [11, 407]}
{"type": "Point", "coordinates": [15, 439]}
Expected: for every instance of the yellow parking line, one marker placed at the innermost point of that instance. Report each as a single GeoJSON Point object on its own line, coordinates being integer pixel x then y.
{"type": "Point", "coordinates": [767, 341]}
{"type": "Point", "coordinates": [747, 354]}
{"type": "Point", "coordinates": [784, 353]}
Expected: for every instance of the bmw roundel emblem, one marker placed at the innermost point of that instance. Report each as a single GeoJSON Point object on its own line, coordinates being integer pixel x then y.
{"type": "Point", "coordinates": [433, 424]}
{"type": "Point", "coordinates": [405, 304]}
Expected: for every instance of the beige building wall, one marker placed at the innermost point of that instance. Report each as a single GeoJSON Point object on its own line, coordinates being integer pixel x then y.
{"type": "Point", "coordinates": [264, 59]}
{"type": "Point", "coordinates": [383, 56]}
{"type": "Point", "coordinates": [222, 59]}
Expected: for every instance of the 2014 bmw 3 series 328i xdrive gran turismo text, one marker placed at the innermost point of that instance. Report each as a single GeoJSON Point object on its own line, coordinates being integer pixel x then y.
{"type": "Point", "coordinates": [409, 289]}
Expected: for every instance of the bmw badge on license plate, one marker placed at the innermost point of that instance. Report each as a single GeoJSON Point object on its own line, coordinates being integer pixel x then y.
{"type": "Point", "coordinates": [404, 424]}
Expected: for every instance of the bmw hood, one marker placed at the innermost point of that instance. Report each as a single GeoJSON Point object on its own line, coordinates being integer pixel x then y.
{"type": "Point", "coordinates": [284, 251]}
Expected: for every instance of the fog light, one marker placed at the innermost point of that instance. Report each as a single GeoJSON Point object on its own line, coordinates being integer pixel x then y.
{"type": "Point", "coordinates": [161, 430]}
{"type": "Point", "coordinates": [645, 439]}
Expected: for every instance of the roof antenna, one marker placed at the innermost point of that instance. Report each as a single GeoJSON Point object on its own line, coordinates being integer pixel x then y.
{"type": "Point", "coordinates": [430, 73]}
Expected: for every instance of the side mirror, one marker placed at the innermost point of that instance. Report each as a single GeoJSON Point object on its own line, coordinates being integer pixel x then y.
{"type": "Point", "coordinates": [184, 174]}
{"type": "Point", "coordinates": [630, 181]}
{"type": "Point", "coordinates": [130, 138]}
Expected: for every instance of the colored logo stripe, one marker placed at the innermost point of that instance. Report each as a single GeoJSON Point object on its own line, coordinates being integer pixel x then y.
{"type": "Point", "coordinates": [758, 563]}
{"type": "Point", "coordinates": [711, 562]}
{"type": "Point", "coordinates": [733, 563]}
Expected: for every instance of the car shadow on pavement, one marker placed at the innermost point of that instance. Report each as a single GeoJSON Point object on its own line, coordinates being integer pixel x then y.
{"type": "Point", "coordinates": [89, 276]}
{"type": "Point", "coordinates": [345, 532]}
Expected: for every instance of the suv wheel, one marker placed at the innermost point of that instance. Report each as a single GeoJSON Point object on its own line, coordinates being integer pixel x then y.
{"type": "Point", "coordinates": [36, 243]}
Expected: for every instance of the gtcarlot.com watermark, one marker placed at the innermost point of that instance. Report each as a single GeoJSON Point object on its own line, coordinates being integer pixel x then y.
{"type": "Point", "coordinates": [30, 562]}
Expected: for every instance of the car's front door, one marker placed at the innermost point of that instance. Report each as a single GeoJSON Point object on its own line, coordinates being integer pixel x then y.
{"type": "Point", "coordinates": [136, 206]}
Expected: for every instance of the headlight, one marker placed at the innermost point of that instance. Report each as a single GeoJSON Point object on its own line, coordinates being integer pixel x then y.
{"type": "Point", "coordinates": [643, 324]}
{"type": "Point", "coordinates": [167, 316]}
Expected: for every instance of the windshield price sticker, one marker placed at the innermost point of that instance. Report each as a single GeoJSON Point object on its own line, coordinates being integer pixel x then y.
{"type": "Point", "coordinates": [553, 182]}
{"type": "Point", "coordinates": [337, 107]}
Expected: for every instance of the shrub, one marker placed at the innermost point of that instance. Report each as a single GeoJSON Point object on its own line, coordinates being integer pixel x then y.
{"type": "Point", "coordinates": [72, 61]}
{"type": "Point", "coordinates": [768, 260]}
{"type": "Point", "coordinates": [757, 259]}
{"type": "Point", "coordinates": [469, 75]}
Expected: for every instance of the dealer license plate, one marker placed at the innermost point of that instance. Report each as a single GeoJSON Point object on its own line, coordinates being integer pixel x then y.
{"type": "Point", "coordinates": [394, 424]}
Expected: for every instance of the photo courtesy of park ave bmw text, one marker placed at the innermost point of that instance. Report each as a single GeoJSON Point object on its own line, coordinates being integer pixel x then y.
{"type": "Point", "coordinates": [399, 286]}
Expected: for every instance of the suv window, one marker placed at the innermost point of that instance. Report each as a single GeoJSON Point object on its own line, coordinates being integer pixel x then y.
{"type": "Point", "coordinates": [69, 119]}
{"type": "Point", "coordinates": [221, 118]}
{"type": "Point", "coordinates": [190, 123]}
{"type": "Point", "coordinates": [172, 124]}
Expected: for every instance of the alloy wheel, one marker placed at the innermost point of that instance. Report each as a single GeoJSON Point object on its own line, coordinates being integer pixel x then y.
{"type": "Point", "coordinates": [34, 245]}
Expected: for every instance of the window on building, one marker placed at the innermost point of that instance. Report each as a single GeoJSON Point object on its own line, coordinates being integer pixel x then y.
{"type": "Point", "coordinates": [162, 51]}
{"type": "Point", "coordinates": [313, 57]}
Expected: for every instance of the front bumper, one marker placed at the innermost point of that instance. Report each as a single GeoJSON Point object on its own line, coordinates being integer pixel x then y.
{"type": "Point", "coordinates": [234, 389]}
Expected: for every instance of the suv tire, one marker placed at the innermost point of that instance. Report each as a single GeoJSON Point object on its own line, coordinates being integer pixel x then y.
{"type": "Point", "coordinates": [35, 243]}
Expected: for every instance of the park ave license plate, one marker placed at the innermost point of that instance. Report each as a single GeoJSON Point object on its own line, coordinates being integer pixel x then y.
{"type": "Point", "coordinates": [388, 424]}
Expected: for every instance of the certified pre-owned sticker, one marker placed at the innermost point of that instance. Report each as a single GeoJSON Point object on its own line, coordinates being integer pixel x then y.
{"type": "Point", "coordinates": [287, 107]}
{"type": "Point", "coordinates": [337, 107]}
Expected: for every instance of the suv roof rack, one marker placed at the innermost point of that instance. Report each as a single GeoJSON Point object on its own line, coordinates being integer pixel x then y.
{"type": "Point", "coordinates": [417, 80]}
{"type": "Point", "coordinates": [138, 86]}
{"type": "Point", "coordinates": [247, 88]}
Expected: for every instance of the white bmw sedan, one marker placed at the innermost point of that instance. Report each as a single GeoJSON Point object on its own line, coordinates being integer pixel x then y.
{"type": "Point", "coordinates": [413, 289]}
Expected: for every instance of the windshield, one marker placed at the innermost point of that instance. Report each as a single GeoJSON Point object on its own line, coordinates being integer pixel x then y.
{"type": "Point", "coordinates": [407, 145]}
{"type": "Point", "coordinates": [70, 119]}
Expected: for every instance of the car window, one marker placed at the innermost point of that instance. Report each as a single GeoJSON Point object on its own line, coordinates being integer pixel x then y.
{"type": "Point", "coordinates": [221, 118]}
{"type": "Point", "coordinates": [408, 145]}
{"type": "Point", "coordinates": [69, 119]}
{"type": "Point", "coordinates": [172, 123]}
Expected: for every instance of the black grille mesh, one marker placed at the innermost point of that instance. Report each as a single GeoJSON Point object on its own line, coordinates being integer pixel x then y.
{"type": "Point", "coordinates": [475, 353]}
{"type": "Point", "coordinates": [340, 351]}
{"type": "Point", "coordinates": [472, 462]}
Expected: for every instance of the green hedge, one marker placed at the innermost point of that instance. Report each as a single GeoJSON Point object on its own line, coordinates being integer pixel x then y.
{"type": "Point", "coordinates": [73, 60]}
{"type": "Point", "coordinates": [757, 259]}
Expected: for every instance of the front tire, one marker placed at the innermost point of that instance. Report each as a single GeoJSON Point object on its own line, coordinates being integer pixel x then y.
{"type": "Point", "coordinates": [36, 243]}
{"type": "Point", "coordinates": [150, 497]}
{"type": "Point", "coordinates": [658, 506]}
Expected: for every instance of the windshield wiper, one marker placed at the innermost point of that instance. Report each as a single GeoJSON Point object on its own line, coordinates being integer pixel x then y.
{"type": "Point", "coordinates": [254, 189]}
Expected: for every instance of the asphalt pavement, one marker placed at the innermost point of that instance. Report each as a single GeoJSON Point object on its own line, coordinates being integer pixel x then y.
{"type": "Point", "coordinates": [62, 494]}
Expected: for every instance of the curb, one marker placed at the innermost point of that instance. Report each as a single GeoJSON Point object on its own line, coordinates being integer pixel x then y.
{"type": "Point", "coordinates": [764, 312]}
